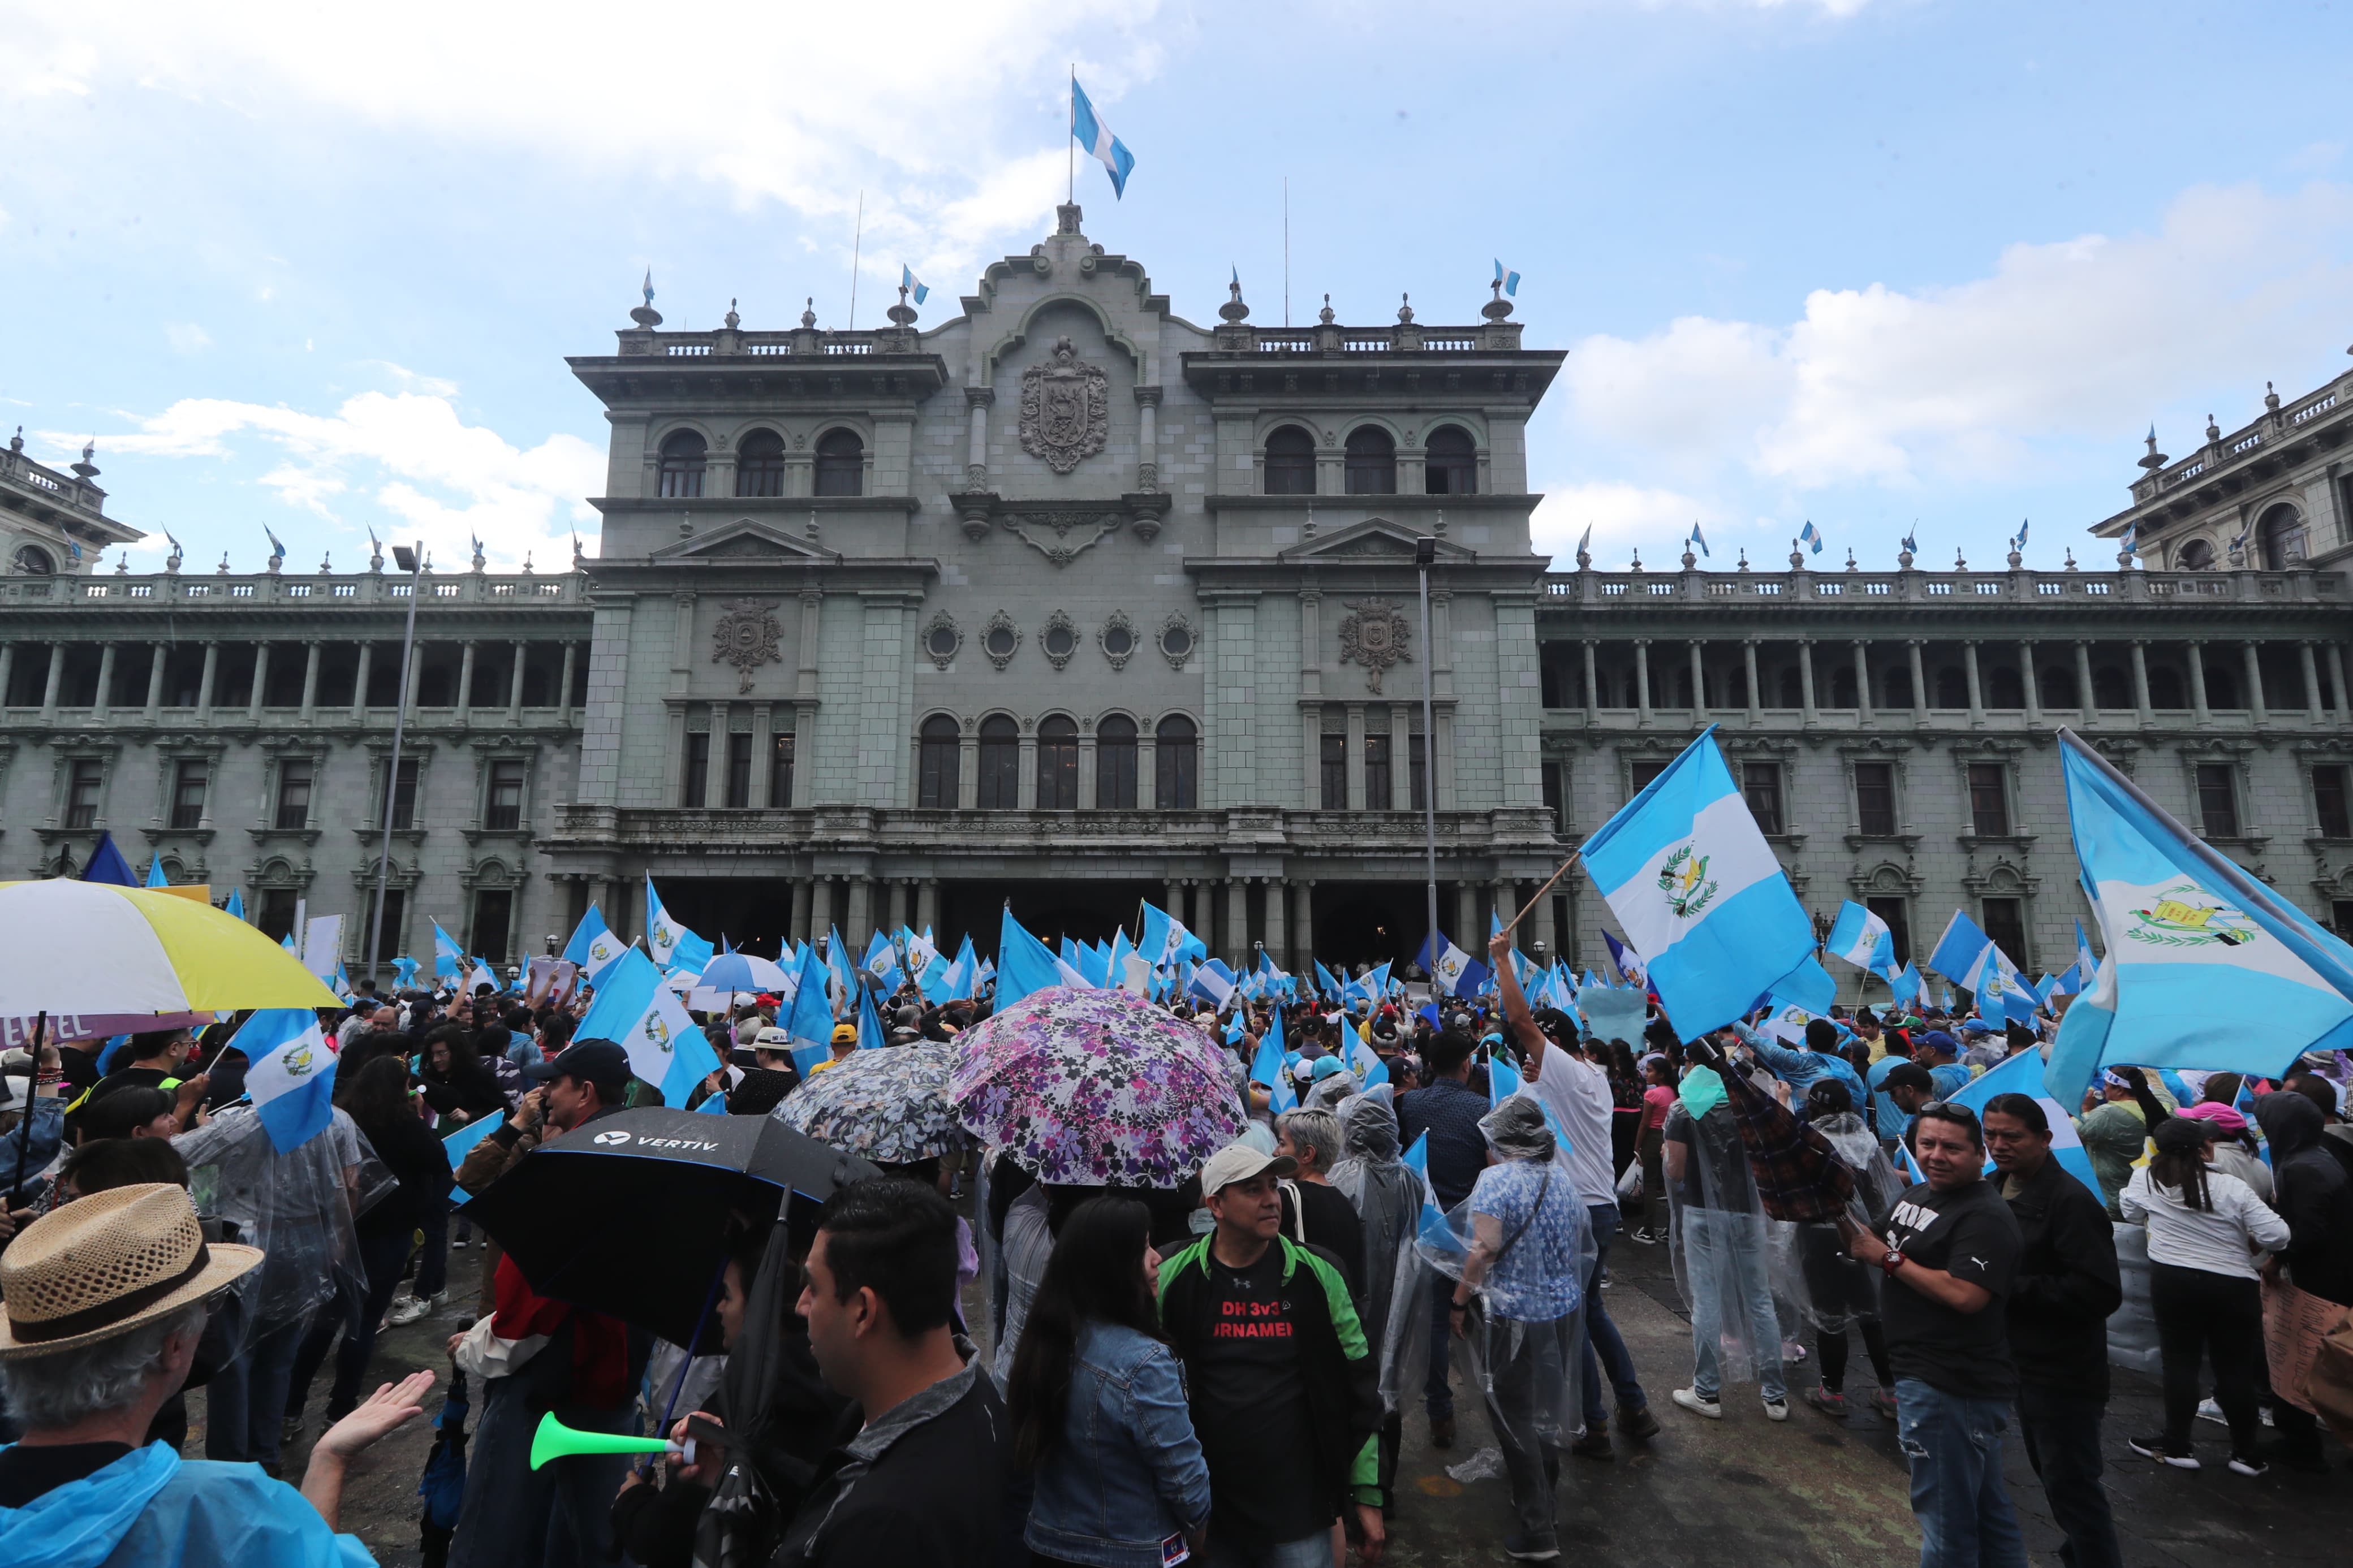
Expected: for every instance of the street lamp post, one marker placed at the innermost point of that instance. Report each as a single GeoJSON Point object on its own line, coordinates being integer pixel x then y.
{"type": "Point", "coordinates": [1425, 556]}
{"type": "Point", "coordinates": [410, 558]}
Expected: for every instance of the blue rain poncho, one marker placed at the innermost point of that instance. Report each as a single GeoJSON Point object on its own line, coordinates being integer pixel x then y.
{"type": "Point", "coordinates": [150, 1508]}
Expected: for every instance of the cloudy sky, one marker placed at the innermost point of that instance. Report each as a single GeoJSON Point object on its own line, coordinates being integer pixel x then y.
{"type": "Point", "coordinates": [1864, 262]}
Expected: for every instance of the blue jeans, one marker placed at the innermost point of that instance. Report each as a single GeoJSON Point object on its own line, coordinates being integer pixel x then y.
{"type": "Point", "coordinates": [1724, 1254]}
{"type": "Point", "coordinates": [1601, 1334]}
{"type": "Point", "coordinates": [1954, 1446]}
{"type": "Point", "coordinates": [246, 1400]}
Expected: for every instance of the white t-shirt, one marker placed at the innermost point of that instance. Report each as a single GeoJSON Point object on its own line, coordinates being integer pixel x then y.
{"type": "Point", "coordinates": [1577, 1093]}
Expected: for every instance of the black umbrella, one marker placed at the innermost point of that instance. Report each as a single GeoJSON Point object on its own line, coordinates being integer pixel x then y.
{"type": "Point", "coordinates": [629, 1214]}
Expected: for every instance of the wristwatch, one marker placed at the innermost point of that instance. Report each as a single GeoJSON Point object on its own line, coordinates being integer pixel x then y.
{"type": "Point", "coordinates": [1891, 1261]}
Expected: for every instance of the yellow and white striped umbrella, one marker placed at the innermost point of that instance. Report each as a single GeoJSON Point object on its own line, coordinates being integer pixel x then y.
{"type": "Point", "coordinates": [95, 947]}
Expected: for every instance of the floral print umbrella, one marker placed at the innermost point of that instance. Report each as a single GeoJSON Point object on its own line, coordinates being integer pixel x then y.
{"type": "Point", "coordinates": [1096, 1087]}
{"type": "Point", "coordinates": [889, 1106]}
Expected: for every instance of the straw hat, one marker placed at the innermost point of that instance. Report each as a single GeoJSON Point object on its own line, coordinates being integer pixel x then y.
{"type": "Point", "coordinates": [104, 1264]}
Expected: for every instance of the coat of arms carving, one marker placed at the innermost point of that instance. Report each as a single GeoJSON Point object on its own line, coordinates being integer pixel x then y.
{"type": "Point", "coordinates": [747, 637]}
{"type": "Point", "coordinates": [1065, 409]}
{"type": "Point", "coordinates": [1373, 634]}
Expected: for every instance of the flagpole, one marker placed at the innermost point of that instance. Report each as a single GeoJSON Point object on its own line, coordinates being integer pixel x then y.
{"type": "Point", "coordinates": [1513, 924]}
{"type": "Point", "coordinates": [1070, 149]}
{"type": "Point", "coordinates": [391, 767]}
{"type": "Point", "coordinates": [855, 237]}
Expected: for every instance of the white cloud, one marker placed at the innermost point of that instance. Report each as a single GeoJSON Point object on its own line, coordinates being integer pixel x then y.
{"type": "Point", "coordinates": [1620, 514]}
{"type": "Point", "coordinates": [404, 459]}
{"type": "Point", "coordinates": [186, 337]}
{"type": "Point", "coordinates": [2082, 338]}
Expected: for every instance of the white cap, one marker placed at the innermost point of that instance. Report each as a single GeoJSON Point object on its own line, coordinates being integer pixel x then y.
{"type": "Point", "coordinates": [1239, 1162]}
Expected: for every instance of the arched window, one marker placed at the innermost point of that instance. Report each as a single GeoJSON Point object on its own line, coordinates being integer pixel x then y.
{"type": "Point", "coordinates": [2004, 688]}
{"type": "Point", "coordinates": [2165, 690]}
{"type": "Point", "coordinates": [1057, 764]}
{"type": "Point", "coordinates": [840, 464]}
{"type": "Point", "coordinates": [2280, 539]}
{"type": "Point", "coordinates": [1116, 763]}
{"type": "Point", "coordinates": [1453, 463]}
{"type": "Point", "coordinates": [1289, 462]}
{"type": "Point", "coordinates": [1952, 687]}
{"type": "Point", "coordinates": [2111, 688]}
{"type": "Point", "coordinates": [681, 465]}
{"type": "Point", "coordinates": [760, 464]}
{"type": "Point", "coordinates": [936, 771]}
{"type": "Point", "coordinates": [2058, 688]}
{"type": "Point", "coordinates": [1177, 744]}
{"type": "Point", "coordinates": [1372, 462]}
{"type": "Point", "coordinates": [2198, 555]}
{"type": "Point", "coordinates": [1842, 687]}
{"type": "Point", "coordinates": [34, 561]}
{"type": "Point", "coordinates": [2223, 685]}
{"type": "Point", "coordinates": [1001, 763]}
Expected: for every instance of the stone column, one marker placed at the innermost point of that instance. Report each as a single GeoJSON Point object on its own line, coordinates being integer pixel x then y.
{"type": "Point", "coordinates": [2140, 683]}
{"type": "Point", "coordinates": [156, 655]}
{"type": "Point", "coordinates": [1919, 684]}
{"type": "Point", "coordinates": [408, 696]}
{"type": "Point", "coordinates": [2033, 685]}
{"type": "Point", "coordinates": [1865, 716]}
{"type": "Point", "coordinates": [1148, 439]}
{"type": "Point", "coordinates": [563, 703]}
{"type": "Point", "coordinates": [1147, 771]}
{"type": "Point", "coordinates": [1087, 768]}
{"type": "Point", "coordinates": [260, 681]}
{"type": "Point", "coordinates": [967, 770]}
{"type": "Point", "coordinates": [764, 754]}
{"type": "Point", "coordinates": [7, 665]}
{"type": "Point", "coordinates": [2084, 700]}
{"type": "Point", "coordinates": [1642, 681]}
{"type": "Point", "coordinates": [1592, 696]}
{"type": "Point", "coordinates": [204, 687]}
{"type": "Point", "coordinates": [1976, 688]}
{"type": "Point", "coordinates": [1237, 931]}
{"type": "Point", "coordinates": [1466, 917]}
{"type": "Point", "coordinates": [2311, 683]}
{"type": "Point", "coordinates": [2335, 663]}
{"type": "Point", "coordinates": [102, 699]}
{"type": "Point", "coordinates": [927, 904]}
{"type": "Point", "coordinates": [977, 400]}
{"type": "Point", "coordinates": [1806, 682]}
{"type": "Point", "coordinates": [1276, 891]}
{"type": "Point", "coordinates": [465, 703]}
{"type": "Point", "coordinates": [1355, 738]}
{"type": "Point", "coordinates": [514, 685]}
{"type": "Point", "coordinates": [360, 686]}
{"type": "Point", "coordinates": [1026, 786]}
{"type": "Point", "coordinates": [57, 680]}
{"type": "Point", "coordinates": [861, 916]}
{"type": "Point", "coordinates": [898, 903]}
{"type": "Point", "coordinates": [714, 778]}
{"type": "Point", "coordinates": [1749, 669]}
{"type": "Point", "coordinates": [799, 923]}
{"type": "Point", "coordinates": [1699, 685]}
{"type": "Point", "coordinates": [2256, 707]}
{"type": "Point", "coordinates": [1505, 899]}
{"type": "Point", "coordinates": [2204, 718]}
{"type": "Point", "coordinates": [1305, 948]}
{"type": "Point", "coordinates": [311, 656]}
{"type": "Point", "coordinates": [1172, 899]}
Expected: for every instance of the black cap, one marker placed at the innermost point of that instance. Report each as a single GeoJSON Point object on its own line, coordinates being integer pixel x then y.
{"type": "Point", "coordinates": [1909, 1075]}
{"type": "Point", "coordinates": [599, 1062]}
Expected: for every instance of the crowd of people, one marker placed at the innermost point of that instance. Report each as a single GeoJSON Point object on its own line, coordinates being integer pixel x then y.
{"type": "Point", "coordinates": [955, 1362]}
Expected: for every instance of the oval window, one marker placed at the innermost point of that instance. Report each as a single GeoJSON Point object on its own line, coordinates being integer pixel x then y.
{"type": "Point", "coordinates": [1002, 642]}
{"type": "Point", "coordinates": [1118, 640]}
{"type": "Point", "coordinates": [1177, 641]}
{"type": "Point", "coordinates": [1060, 641]}
{"type": "Point", "coordinates": [944, 640]}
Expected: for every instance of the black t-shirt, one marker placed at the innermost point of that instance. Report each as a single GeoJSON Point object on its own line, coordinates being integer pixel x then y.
{"type": "Point", "coordinates": [1332, 1223]}
{"type": "Point", "coordinates": [1970, 1234]}
{"type": "Point", "coordinates": [26, 1474]}
{"type": "Point", "coordinates": [1249, 1399]}
{"type": "Point", "coordinates": [1716, 1162]}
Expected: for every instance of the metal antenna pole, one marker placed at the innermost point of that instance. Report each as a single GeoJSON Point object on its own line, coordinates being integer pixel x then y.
{"type": "Point", "coordinates": [391, 767]}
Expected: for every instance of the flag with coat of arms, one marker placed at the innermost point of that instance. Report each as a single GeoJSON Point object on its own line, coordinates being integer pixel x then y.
{"type": "Point", "coordinates": [290, 1074]}
{"type": "Point", "coordinates": [1451, 971]}
{"type": "Point", "coordinates": [645, 1018]}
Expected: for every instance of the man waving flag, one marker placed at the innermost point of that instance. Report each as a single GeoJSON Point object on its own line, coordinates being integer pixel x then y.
{"type": "Point", "coordinates": [1685, 869]}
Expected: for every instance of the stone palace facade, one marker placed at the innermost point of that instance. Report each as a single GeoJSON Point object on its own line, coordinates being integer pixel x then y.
{"type": "Point", "coordinates": [1071, 602]}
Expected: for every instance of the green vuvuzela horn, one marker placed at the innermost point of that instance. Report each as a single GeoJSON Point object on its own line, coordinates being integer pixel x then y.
{"type": "Point", "coordinates": [555, 1440]}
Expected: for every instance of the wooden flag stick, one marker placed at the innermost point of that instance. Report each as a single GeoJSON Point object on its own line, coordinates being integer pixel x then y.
{"type": "Point", "coordinates": [1514, 924]}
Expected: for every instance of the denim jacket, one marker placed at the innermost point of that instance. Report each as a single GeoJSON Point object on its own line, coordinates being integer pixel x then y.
{"type": "Point", "coordinates": [1128, 1472]}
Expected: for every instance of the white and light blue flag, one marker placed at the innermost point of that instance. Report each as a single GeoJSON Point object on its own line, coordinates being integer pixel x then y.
{"type": "Point", "coordinates": [810, 1022]}
{"type": "Point", "coordinates": [661, 931]}
{"type": "Point", "coordinates": [2022, 1074]}
{"type": "Point", "coordinates": [1096, 138]}
{"type": "Point", "coordinates": [1214, 982]}
{"type": "Point", "coordinates": [1862, 938]}
{"type": "Point", "coordinates": [594, 947]}
{"type": "Point", "coordinates": [449, 958]}
{"type": "Point", "coordinates": [1431, 1230]}
{"type": "Point", "coordinates": [914, 286]}
{"type": "Point", "coordinates": [1165, 940]}
{"type": "Point", "coordinates": [1811, 537]}
{"type": "Point", "coordinates": [1687, 871]}
{"type": "Point", "coordinates": [1451, 971]}
{"type": "Point", "coordinates": [2206, 967]}
{"type": "Point", "coordinates": [290, 1074]}
{"type": "Point", "coordinates": [645, 1018]}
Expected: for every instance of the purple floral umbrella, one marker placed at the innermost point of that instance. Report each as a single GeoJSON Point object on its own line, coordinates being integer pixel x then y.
{"type": "Point", "coordinates": [1096, 1087]}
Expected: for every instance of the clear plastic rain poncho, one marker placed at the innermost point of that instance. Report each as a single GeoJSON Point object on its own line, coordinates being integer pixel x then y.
{"type": "Point", "coordinates": [1388, 1198]}
{"type": "Point", "coordinates": [1526, 1224]}
{"type": "Point", "coordinates": [1721, 1245]}
{"type": "Point", "coordinates": [1812, 1267]}
{"type": "Point", "coordinates": [296, 1206]}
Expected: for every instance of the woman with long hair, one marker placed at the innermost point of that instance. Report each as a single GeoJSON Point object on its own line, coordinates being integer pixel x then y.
{"type": "Point", "coordinates": [2204, 1229]}
{"type": "Point", "coordinates": [1097, 1403]}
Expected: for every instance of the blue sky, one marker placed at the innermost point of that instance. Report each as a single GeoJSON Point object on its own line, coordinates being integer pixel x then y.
{"type": "Point", "coordinates": [1860, 261]}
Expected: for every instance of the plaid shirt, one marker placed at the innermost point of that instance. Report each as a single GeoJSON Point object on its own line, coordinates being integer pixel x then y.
{"type": "Point", "coordinates": [1799, 1175]}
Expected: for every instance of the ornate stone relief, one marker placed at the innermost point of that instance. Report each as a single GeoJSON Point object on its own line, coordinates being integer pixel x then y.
{"type": "Point", "coordinates": [1177, 640]}
{"type": "Point", "coordinates": [1060, 639]}
{"type": "Point", "coordinates": [1058, 536]}
{"type": "Point", "coordinates": [747, 637]}
{"type": "Point", "coordinates": [1065, 409]}
{"type": "Point", "coordinates": [1374, 635]}
{"type": "Point", "coordinates": [1000, 639]}
{"type": "Point", "coordinates": [942, 639]}
{"type": "Point", "coordinates": [1117, 639]}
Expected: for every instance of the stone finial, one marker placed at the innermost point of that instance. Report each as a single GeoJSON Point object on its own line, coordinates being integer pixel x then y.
{"type": "Point", "coordinates": [2015, 560]}
{"type": "Point", "coordinates": [17, 442]}
{"type": "Point", "coordinates": [1690, 559]}
{"type": "Point", "coordinates": [172, 562]}
{"type": "Point", "coordinates": [1958, 564]}
{"type": "Point", "coordinates": [1498, 308]}
{"type": "Point", "coordinates": [645, 315]}
{"type": "Point", "coordinates": [122, 564]}
{"type": "Point", "coordinates": [224, 565]}
{"type": "Point", "coordinates": [1325, 315]}
{"type": "Point", "coordinates": [579, 560]}
{"type": "Point", "coordinates": [2271, 401]}
{"type": "Point", "coordinates": [1066, 217]}
{"type": "Point", "coordinates": [1405, 310]}
{"type": "Point", "coordinates": [1903, 560]}
{"type": "Point", "coordinates": [87, 470]}
{"type": "Point", "coordinates": [2071, 558]}
{"type": "Point", "coordinates": [480, 562]}
{"type": "Point", "coordinates": [526, 563]}
{"type": "Point", "coordinates": [2213, 431]}
{"type": "Point", "coordinates": [1743, 565]}
{"type": "Point", "coordinates": [731, 320]}
{"type": "Point", "coordinates": [376, 554]}
{"type": "Point", "coordinates": [1234, 310]}
{"type": "Point", "coordinates": [808, 316]}
{"type": "Point", "coordinates": [1797, 557]}
{"type": "Point", "coordinates": [326, 562]}
{"type": "Point", "coordinates": [2154, 459]}
{"type": "Point", "coordinates": [902, 314]}
{"type": "Point", "coordinates": [1637, 566]}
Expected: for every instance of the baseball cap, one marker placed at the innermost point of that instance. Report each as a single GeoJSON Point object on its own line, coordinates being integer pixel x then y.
{"type": "Point", "coordinates": [1239, 1162]}
{"type": "Point", "coordinates": [845, 1034]}
{"type": "Point", "coordinates": [599, 1062]}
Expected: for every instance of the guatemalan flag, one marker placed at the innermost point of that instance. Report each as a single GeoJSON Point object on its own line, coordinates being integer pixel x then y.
{"type": "Point", "coordinates": [594, 947]}
{"type": "Point", "coordinates": [645, 1017]}
{"type": "Point", "coordinates": [1452, 970]}
{"type": "Point", "coordinates": [661, 931]}
{"type": "Point", "coordinates": [1096, 138]}
{"type": "Point", "coordinates": [2022, 1074]}
{"type": "Point", "coordinates": [1687, 871]}
{"type": "Point", "coordinates": [1165, 940]}
{"type": "Point", "coordinates": [449, 958]}
{"type": "Point", "coordinates": [1864, 940]}
{"type": "Point", "coordinates": [2206, 967]}
{"type": "Point", "coordinates": [292, 1074]}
